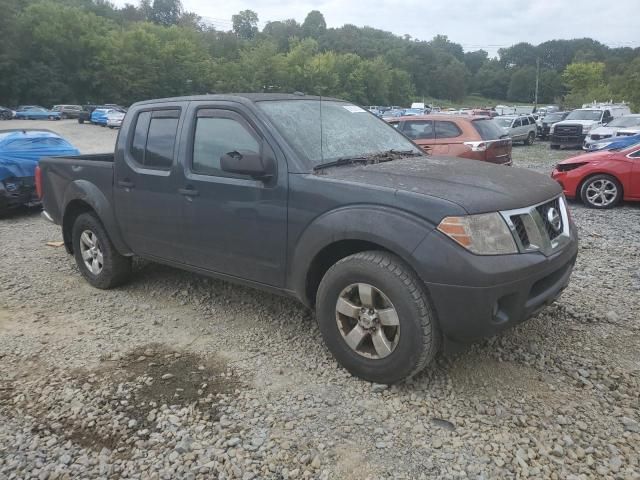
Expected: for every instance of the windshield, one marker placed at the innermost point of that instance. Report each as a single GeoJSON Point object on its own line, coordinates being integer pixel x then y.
{"type": "Point", "coordinates": [553, 117]}
{"type": "Point", "coordinates": [503, 122]}
{"type": "Point", "coordinates": [346, 129]}
{"type": "Point", "coordinates": [594, 115]}
{"type": "Point", "coordinates": [625, 122]}
{"type": "Point", "coordinates": [487, 129]}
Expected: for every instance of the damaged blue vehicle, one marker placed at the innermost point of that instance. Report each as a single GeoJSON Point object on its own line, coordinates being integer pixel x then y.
{"type": "Point", "coordinates": [20, 151]}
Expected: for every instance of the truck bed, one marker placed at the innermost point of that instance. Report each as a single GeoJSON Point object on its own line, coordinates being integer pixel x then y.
{"type": "Point", "coordinates": [61, 174]}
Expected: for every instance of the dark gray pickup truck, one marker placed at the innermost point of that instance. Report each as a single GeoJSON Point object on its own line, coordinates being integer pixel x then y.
{"type": "Point", "coordinates": [399, 253]}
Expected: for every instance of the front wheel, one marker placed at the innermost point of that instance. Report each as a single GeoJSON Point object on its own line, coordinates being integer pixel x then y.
{"type": "Point", "coordinates": [375, 317]}
{"type": "Point", "coordinates": [80, 120]}
{"type": "Point", "coordinates": [97, 259]}
{"type": "Point", "coordinates": [601, 191]}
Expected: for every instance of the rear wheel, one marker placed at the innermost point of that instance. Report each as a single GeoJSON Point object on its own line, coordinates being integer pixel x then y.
{"type": "Point", "coordinates": [97, 259]}
{"type": "Point", "coordinates": [601, 191]}
{"type": "Point", "coordinates": [530, 139]}
{"type": "Point", "coordinates": [80, 120]}
{"type": "Point", "coordinates": [376, 318]}
{"type": "Point", "coordinates": [554, 147]}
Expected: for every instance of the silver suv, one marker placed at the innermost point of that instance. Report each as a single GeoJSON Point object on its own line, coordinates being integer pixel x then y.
{"type": "Point", "coordinates": [521, 128]}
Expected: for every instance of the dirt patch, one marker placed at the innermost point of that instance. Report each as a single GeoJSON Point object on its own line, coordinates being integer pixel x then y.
{"type": "Point", "coordinates": [109, 407]}
{"type": "Point", "coordinates": [176, 378]}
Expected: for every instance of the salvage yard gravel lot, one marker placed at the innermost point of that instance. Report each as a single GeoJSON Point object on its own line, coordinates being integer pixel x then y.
{"type": "Point", "coordinates": [175, 375]}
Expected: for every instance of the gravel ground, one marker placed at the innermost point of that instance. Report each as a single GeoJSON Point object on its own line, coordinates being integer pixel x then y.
{"type": "Point", "coordinates": [179, 376]}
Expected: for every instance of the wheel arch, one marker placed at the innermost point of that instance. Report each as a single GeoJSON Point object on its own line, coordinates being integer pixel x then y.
{"type": "Point", "coordinates": [347, 231]}
{"type": "Point", "coordinates": [81, 197]}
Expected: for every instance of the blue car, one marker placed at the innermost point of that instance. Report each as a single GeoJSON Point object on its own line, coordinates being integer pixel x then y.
{"type": "Point", "coordinates": [613, 143]}
{"type": "Point", "coordinates": [36, 113]}
{"type": "Point", "coordinates": [99, 116]}
{"type": "Point", "coordinates": [20, 151]}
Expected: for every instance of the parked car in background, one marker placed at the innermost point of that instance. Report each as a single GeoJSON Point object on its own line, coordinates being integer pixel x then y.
{"type": "Point", "coordinates": [601, 179]}
{"type": "Point", "coordinates": [21, 108]}
{"type": "Point", "coordinates": [115, 118]}
{"type": "Point", "coordinates": [399, 253]}
{"type": "Point", "coordinates": [67, 111]}
{"type": "Point", "coordinates": [545, 123]}
{"type": "Point", "coordinates": [37, 113]}
{"type": "Point", "coordinates": [409, 112]}
{"type": "Point", "coordinates": [20, 151]}
{"type": "Point", "coordinates": [85, 114]}
{"type": "Point", "coordinates": [87, 111]}
{"type": "Point", "coordinates": [6, 113]}
{"type": "Point", "coordinates": [99, 116]}
{"type": "Point", "coordinates": [613, 143]}
{"type": "Point", "coordinates": [521, 128]}
{"type": "Point", "coordinates": [623, 126]}
{"type": "Point", "coordinates": [476, 138]}
{"type": "Point", "coordinates": [571, 131]}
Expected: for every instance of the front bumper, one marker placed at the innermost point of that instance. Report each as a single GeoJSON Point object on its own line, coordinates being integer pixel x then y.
{"type": "Point", "coordinates": [568, 141]}
{"type": "Point", "coordinates": [478, 296]}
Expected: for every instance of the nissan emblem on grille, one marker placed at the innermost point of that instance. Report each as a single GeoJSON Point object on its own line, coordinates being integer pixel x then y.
{"type": "Point", "coordinates": [553, 216]}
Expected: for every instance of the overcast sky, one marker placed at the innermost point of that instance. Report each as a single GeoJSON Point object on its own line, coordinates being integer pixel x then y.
{"type": "Point", "coordinates": [486, 24]}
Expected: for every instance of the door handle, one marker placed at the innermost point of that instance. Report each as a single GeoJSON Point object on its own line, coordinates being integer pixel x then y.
{"type": "Point", "coordinates": [126, 183]}
{"type": "Point", "coordinates": [189, 192]}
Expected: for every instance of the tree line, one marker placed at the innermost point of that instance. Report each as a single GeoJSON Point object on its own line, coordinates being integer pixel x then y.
{"type": "Point", "coordinates": [78, 51]}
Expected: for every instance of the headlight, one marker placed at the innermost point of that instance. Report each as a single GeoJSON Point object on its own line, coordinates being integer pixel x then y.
{"type": "Point", "coordinates": [484, 234]}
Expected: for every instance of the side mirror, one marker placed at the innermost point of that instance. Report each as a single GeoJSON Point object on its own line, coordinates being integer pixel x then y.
{"type": "Point", "coordinates": [245, 162]}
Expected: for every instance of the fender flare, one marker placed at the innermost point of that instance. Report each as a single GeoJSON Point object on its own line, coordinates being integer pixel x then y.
{"type": "Point", "coordinates": [392, 229]}
{"type": "Point", "coordinates": [90, 194]}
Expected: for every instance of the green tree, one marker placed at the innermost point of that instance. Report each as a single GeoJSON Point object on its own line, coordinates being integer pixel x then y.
{"type": "Point", "coordinates": [314, 25]}
{"type": "Point", "coordinates": [166, 12]}
{"type": "Point", "coordinates": [245, 24]}
{"type": "Point", "coordinates": [522, 86]}
{"type": "Point", "coordinates": [585, 83]}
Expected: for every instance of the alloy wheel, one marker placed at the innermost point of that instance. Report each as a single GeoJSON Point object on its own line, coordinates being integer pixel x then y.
{"type": "Point", "coordinates": [367, 321]}
{"type": "Point", "coordinates": [91, 252]}
{"type": "Point", "coordinates": [601, 192]}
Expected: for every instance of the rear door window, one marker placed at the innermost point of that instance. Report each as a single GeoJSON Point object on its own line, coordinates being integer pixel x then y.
{"type": "Point", "coordinates": [445, 129]}
{"type": "Point", "coordinates": [154, 139]}
{"type": "Point", "coordinates": [419, 129]}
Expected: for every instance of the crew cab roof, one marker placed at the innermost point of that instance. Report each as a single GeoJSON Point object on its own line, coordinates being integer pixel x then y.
{"type": "Point", "coordinates": [242, 97]}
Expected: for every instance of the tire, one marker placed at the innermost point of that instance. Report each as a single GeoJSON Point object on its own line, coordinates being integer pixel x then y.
{"type": "Point", "coordinates": [80, 121]}
{"type": "Point", "coordinates": [115, 268]}
{"type": "Point", "coordinates": [610, 188]}
{"type": "Point", "coordinates": [554, 147]}
{"type": "Point", "coordinates": [530, 139]}
{"type": "Point", "coordinates": [410, 346]}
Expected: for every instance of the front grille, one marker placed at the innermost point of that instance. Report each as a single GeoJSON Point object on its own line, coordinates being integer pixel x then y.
{"type": "Point", "coordinates": [540, 228]}
{"type": "Point", "coordinates": [521, 230]}
{"type": "Point", "coordinates": [568, 130]}
{"type": "Point", "coordinates": [543, 210]}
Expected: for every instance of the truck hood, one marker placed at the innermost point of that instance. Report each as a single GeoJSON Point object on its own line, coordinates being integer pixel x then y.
{"type": "Point", "coordinates": [585, 123]}
{"type": "Point", "coordinates": [477, 187]}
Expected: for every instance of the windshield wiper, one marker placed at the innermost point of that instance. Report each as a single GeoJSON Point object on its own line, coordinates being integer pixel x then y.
{"type": "Point", "coordinates": [377, 157]}
{"type": "Point", "coordinates": [340, 161]}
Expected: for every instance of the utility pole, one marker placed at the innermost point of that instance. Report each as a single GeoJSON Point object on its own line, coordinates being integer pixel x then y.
{"type": "Point", "coordinates": [535, 103]}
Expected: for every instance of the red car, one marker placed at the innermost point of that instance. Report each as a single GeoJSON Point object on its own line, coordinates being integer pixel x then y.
{"type": "Point", "coordinates": [601, 179]}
